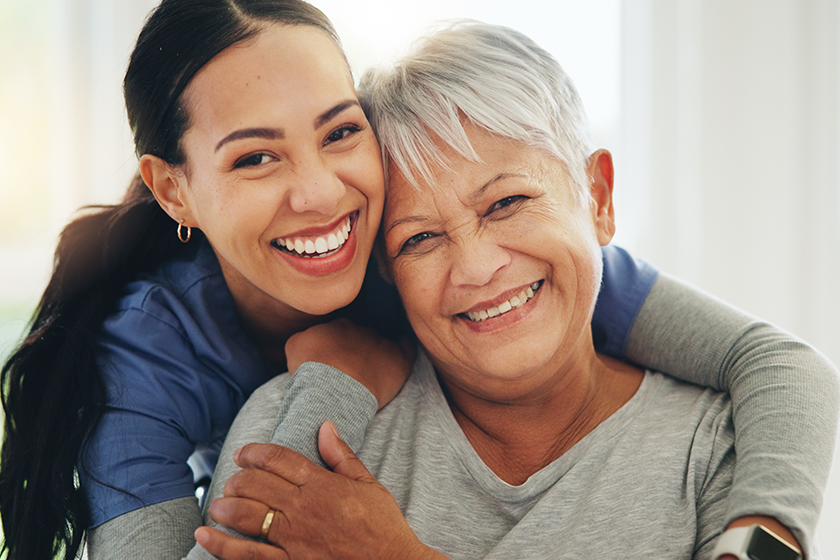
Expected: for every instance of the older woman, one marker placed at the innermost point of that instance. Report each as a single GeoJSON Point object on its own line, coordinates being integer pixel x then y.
{"type": "Point", "coordinates": [512, 437]}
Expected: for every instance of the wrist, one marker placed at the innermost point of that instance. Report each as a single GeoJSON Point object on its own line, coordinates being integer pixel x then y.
{"type": "Point", "coordinates": [754, 542]}
{"type": "Point", "coordinates": [771, 523]}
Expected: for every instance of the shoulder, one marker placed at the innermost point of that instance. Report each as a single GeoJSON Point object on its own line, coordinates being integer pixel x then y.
{"type": "Point", "coordinates": [178, 289]}
{"type": "Point", "coordinates": [174, 348]}
{"type": "Point", "coordinates": [180, 320]}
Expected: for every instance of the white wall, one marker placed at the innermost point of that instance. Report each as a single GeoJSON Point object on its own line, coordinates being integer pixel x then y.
{"type": "Point", "coordinates": [730, 160]}
{"type": "Point", "coordinates": [727, 174]}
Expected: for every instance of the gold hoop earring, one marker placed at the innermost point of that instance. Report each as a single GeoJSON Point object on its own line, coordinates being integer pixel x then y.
{"type": "Point", "coordinates": [181, 238]}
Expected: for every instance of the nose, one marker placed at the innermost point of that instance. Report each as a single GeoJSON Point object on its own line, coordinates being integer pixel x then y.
{"type": "Point", "coordinates": [476, 260]}
{"type": "Point", "coordinates": [316, 188]}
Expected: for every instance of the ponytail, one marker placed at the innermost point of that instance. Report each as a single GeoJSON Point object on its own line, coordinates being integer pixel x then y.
{"type": "Point", "coordinates": [52, 391]}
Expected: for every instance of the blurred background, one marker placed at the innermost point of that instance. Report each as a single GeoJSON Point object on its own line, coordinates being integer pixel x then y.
{"type": "Point", "coordinates": [723, 117]}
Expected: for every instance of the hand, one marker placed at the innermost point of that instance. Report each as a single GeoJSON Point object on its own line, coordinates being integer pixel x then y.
{"type": "Point", "coordinates": [379, 364]}
{"type": "Point", "coordinates": [343, 514]}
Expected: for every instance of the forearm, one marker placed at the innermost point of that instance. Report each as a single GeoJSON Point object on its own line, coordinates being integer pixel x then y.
{"type": "Point", "coordinates": [159, 531]}
{"type": "Point", "coordinates": [290, 415]}
{"type": "Point", "coordinates": [784, 394]}
{"type": "Point", "coordinates": [318, 393]}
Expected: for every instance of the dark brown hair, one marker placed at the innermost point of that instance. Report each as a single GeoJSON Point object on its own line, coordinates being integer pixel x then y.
{"type": "Point", "coordinates": [52, 390]}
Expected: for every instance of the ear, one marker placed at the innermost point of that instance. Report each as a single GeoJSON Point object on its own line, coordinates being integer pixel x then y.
{"type": "Point", "coordinates": [167, 184]}
{"type": "Point", "coordinates": [601, 172]}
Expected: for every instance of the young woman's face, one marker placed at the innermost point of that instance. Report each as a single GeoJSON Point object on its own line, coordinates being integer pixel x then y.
{"type": "Point", "coordinates": [283, 172]}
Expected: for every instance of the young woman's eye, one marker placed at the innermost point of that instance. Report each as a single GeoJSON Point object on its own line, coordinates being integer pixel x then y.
{"type": "Point", "coordinates": [252, 161]}
{"type": "Point", "coordinates": [505, 202]}
{"type": "Point", "coordinates": [341, 133]}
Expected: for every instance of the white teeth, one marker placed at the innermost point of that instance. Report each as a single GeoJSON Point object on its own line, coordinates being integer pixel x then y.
{"type": "Point", "coordinates": [518, 300]}
{"type": "Point", "coordinates": [319, 245]}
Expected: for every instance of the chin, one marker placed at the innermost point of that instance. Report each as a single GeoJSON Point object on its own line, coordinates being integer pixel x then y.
{"type": "Point", "coordinates": [334, 297]}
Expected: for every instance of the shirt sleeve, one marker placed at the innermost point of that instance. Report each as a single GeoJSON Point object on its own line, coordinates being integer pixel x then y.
{"type": "Point", "coordinates": [624, 286]}
{"type": "Point", "coordinates": [317, 393]}
{"type": "Point", "coordinates": [713, 455]}
{"type": "Point", "coordinates": [162, 530]}
{"type": "Point", "coordinates": [288, 411]}
{"type": "Point", "coordinates": [785, 397]}
{"type": "Point", "coordinates": [162, 402]}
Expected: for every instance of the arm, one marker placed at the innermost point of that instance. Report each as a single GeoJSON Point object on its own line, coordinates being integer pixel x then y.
{"type": "Point", "coordinates": [162, 400]}
{"type": "Point", "coordinates": [343, 513]}
{"type": "Point", "coordinates": [292, 413]}
{"type": "Point", "coordinates": [784, 395]}
{"type": "Point", "coordinates": [366, 371]}
{"type": "Point", "coordinates": [289, 412]}
{"type": "Point", "coordinates": [162, 530]}
{"type": "Point", "coordinates": [254, 423]}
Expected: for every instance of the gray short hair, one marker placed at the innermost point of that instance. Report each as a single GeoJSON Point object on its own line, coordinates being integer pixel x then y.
{"type": "Point", "coordinates": [495, 77]}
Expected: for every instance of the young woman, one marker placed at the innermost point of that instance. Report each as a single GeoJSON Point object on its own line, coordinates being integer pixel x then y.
{"type": "Point", "coordinates": [260, 198]}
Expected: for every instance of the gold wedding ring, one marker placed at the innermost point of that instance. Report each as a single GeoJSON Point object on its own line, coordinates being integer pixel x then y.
{"type": "Point", "coordinates": [269, 517]}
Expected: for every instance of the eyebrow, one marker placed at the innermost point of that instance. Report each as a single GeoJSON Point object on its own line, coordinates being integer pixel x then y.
{"type": "Point", "coordinates": [267, 133]}
{"type": "Point", "coordinates": [475, 196]}
{"type": "Point", "coordinates": [406, 220]}
{"type": "Point", "coordinates": [275, 133]}
{"type": "Point", "coordinates": [328, 115]}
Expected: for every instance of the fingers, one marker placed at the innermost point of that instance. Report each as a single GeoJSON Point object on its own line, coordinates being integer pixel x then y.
{"type": "Point", "coordinates": [257, 484]}
{"type": "Point", "coordinates": [338, 455]}
{"type": "Point", "coordinates": [247, 516]}
{"type": "Point", "coordinates": [281, 461]}
{"type": "Point", "coordinates": [231, 548]}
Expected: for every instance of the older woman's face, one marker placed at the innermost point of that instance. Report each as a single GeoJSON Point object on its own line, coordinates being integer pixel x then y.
{"type": "Point", "coordinates": [499, 265]}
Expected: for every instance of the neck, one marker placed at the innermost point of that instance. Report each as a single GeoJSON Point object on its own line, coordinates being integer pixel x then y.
{"type": "Point", "coordinates": [270, 331]}
{"type": "Point", "coordinates": [266, 321]}
{"type": "Point", "coordinates": [517, 439]}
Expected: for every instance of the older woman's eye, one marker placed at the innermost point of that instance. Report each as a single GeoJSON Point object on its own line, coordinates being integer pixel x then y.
{"type": "Point", "coordinates": [341, 133]}
{"type": "Point", "coordinates": [413, 241]}
{"type": "Point", "coordinates": [505, 203]}
{"type": "Point", "coordinates": [252, 161]}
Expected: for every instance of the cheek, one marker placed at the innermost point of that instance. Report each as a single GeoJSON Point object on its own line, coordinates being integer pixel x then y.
{"type": "Point", "coordinates": [365, 171]}
{"type": "Point", "coordinates": [420, 285]}
{"type": "Point", "coordinates": [227, 213]}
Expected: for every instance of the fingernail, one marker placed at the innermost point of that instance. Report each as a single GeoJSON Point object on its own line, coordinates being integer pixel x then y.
{"type": "Point", "coordinates": [201, 536]}
{"type": "Point", "coordinates": [236, 455]}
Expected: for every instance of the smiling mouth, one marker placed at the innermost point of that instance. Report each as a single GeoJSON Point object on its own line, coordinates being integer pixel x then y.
{"type": "Point", "coordinates": [316, 247]}
{"type": "Point", "coordinates": [518, 300]}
